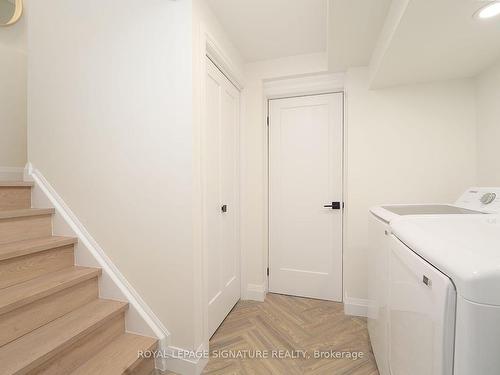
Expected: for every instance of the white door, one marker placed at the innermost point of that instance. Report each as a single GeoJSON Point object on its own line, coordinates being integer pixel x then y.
{"type": "Point", "coordinates": [221, 150]}
{"type": "Point", "coordinates": [305, 174]}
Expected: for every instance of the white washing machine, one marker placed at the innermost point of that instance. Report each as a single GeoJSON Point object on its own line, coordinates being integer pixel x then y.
{"type": "Point", "coordinates": [419, 312]}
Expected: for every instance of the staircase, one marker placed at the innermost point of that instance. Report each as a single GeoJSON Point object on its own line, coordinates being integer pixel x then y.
{"type": "Point", "coordinates": [52, 320]}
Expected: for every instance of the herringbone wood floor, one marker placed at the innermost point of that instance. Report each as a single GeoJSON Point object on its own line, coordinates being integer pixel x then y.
{"type": "Point", "coordinates": [293, 324]}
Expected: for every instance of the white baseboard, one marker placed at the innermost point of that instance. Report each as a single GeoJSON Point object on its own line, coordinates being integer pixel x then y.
{"type": "Point", "coordinates": [191, 364]}
{"type": "Point", "coordinates": [140, 319]}
{"type": "Point", "coordinates": [11, 173]}
{"type": "Point", "coordinates": [355, 306]}
{"type": "Point", "coordinates": [255, 292]}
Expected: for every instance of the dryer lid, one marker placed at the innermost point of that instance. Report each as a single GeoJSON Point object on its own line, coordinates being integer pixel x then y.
{"type": "Point", "coordinates": [476, 200]}
{"type": "Point", "coordinates": [428, 209]}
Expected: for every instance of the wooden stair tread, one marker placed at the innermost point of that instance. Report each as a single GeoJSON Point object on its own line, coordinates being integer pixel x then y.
{"type": "Point", "coordinates": [16, 184]}
{"type": "Point", "coordinates": [29, 351]}
{"type": "Point", "coordinates": [26, 247]}
{"type": "Point", "coordinates": [118, 356]}
{"type": "Point", "coordinates": [32, 290]}
{"type": "Point", "coordinates": [25, 212]}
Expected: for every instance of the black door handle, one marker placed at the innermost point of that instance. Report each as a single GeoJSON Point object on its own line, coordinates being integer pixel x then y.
{"type": "Point", "coordinates": [224, 208]}
{"type": "Point", "coordinates": [333, 206]}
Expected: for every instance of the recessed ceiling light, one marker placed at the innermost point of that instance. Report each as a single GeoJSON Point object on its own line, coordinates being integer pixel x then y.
{"type": "Point", "coordinates": [490, 10]}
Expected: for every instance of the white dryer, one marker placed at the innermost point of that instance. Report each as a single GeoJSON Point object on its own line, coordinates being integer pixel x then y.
{"type": "Point", "coordinates": [412, 302]}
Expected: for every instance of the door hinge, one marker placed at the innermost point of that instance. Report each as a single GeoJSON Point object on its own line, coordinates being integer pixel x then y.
{"type": "Point", "coordinates": [267, 271]}
{"type": "Point", "coordinates": [267, 120]}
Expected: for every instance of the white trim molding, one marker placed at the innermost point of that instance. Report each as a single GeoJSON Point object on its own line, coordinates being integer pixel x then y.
{"type": "Point", "coordinates": [255, 292]}
{"type": "Point", "coordinates": [355, 306]}
{"type": "Point", "coordinates": [306, 85]}
{"type": "Point", "coordinates": [186, 362]}
{"type": "Point", "coordinates": [214, 53]}
{"type": "Point", "coordinates": [11, 173]}
{"type": "Point", "coordinates": [140, 319]}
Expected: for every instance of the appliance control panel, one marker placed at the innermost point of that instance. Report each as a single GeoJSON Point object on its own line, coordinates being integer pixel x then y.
{"type": "Point", "coordinates": [480, 199]}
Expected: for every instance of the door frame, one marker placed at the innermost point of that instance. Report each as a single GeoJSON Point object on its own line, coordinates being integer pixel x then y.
{"type": "Point", "coordinates": [209, 48]}
{"type": "Point", "coordinates": [319, 84]}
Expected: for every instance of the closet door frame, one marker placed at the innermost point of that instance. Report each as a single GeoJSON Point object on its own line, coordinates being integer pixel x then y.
{"type": "Point", "coordinates": [222, 204]}
{"type": "Point", "coordinates": [209, 48]}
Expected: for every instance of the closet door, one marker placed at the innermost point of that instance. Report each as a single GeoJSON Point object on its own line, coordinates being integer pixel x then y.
{"type": "Point", "coordinates": [221, 158]}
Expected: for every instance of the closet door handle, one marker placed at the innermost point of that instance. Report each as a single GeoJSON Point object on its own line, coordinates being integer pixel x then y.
{"type": "Point", "coordinates": [224, 208]}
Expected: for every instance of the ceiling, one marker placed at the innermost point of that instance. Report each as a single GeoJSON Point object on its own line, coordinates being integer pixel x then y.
{"type": "Point", "coordinates": [354, 27]}
{"type": "Point", "coordinates": [402, 41]}
{"type": "Point", "coordinates": [270, 29]}
{"type": "Point", "coordinates": [425, 41]}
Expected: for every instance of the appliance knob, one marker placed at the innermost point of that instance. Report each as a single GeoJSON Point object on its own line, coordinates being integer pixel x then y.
{"type": "Point", "coordinates": [488, 198]}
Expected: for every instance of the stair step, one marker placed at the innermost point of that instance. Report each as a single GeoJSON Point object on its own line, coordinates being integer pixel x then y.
{"type": "Point", "coordinates": [27, 318]}
{"type": "Point", "coordinates": [61, 338]}
{"type": "Point", "coordinates": [16, 184]}
{"type": "Point", "coordinates": [121, 357]}
{"type": "Point", "coordinates": [27, 247]}
{"type": "Point", "coordinates": [32, 290]}
{"type": "Point", "coordinates": [15, 195]}
{"type": "Point", "coordinates": [24, 224]}
{"type": "Point", "coordinates": [25, 212]}
{"type": "Point", "coordinates": [25, 260]}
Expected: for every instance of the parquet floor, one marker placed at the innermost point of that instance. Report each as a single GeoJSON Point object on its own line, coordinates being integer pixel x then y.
{"type": "Point", "coordinates": [302, 327]}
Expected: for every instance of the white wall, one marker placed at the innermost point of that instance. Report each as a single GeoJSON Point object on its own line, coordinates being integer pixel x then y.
{"type": "Point", "coordinates": [13, 95]}
{"type": "Point", "coordinates": [110, 127]}
{"type": "Point", "coordinates": [254, 162]}
{"type": "Point", "coordinates": [409, 144]}
{"type": "Point", "coordinates": [488, 120]}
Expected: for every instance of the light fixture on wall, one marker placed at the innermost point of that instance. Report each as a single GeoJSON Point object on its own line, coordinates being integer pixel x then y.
{"type": "Point", "coordinates": [489, 11]}
{"type": "Point", "coordinates": [10, 11]}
